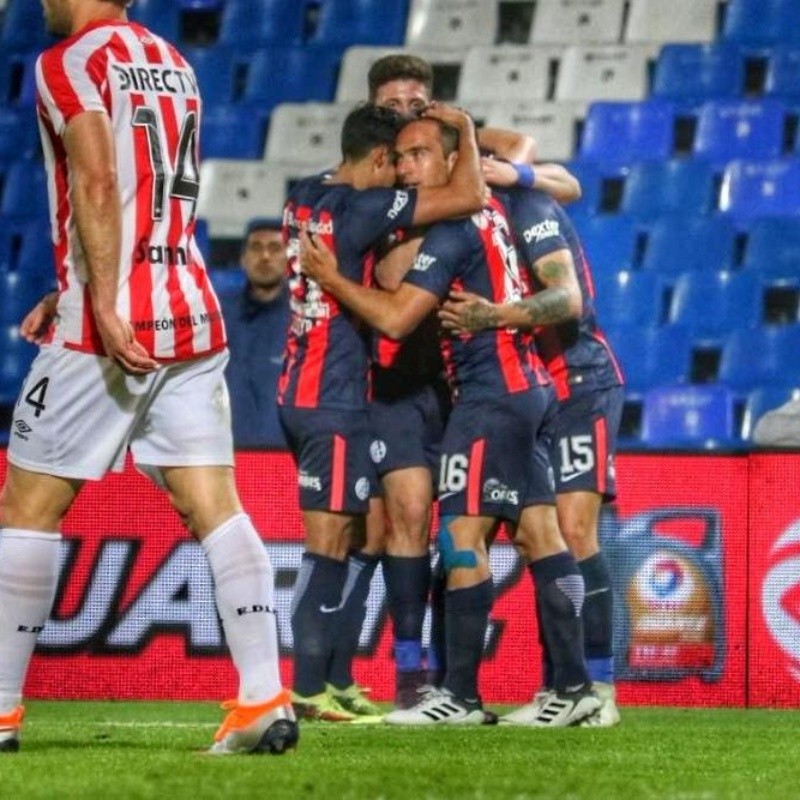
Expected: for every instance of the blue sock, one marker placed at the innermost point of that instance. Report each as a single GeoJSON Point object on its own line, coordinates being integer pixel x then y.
{"type": "Point", "coordinates": [319, 585]}
{"type": "Point", "coordinates": [408, 581]}
{"type": "Point", "coordinates": [598, 618]}
{"type": "Point", "coordinates": [350, 617]}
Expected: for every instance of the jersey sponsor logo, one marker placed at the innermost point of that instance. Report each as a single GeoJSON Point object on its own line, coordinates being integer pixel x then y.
{"type": "Point", "coordinates": [495, 491]}
{"type": "Point", "coordinates": [160, 254]}
{"type": "Point", "coordinates": [362, 488]}
{"type": "Point", "coordinates": [377, 451]}
{"type": "Point", "coordinates": [541, 231]}
{"type": "Point", "coordinates": [315, 226]}
{"type": "Point", "coordinates": [161, 80]}
{"type": "Point", "coordinates": [400, 202]}
{"type": "Point", "coordinates": [306, 481]}
{"type": "Point", "coordinates": [423, 262]}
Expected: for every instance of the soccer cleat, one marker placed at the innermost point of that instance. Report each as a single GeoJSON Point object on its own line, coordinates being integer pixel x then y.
{"type": "Point", "coordinates": [607, 716]}
{"type": "Point", "coordinates": [322, 707]}
{"type": "Point", "coordinates": [10, 725]}
{"type": "Point", "coordinates": [263, 728]}
{"type": "Point", "coordinates": [407, 687]}
{"type": "Point", "coordinates": [441, 707]}
{"type": "Point", "coordinates": [354, 699]}
{"type": "Point", "coordinates": [552, 709]}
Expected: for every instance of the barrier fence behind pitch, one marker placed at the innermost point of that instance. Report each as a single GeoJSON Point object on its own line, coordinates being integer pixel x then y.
{"type": "Point", "coordinates": [705, 552]}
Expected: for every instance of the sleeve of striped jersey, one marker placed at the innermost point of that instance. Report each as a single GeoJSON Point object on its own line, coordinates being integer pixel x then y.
{"type": "Point", "coordinates": [65, 86]}
{"type": "Point", "coordinates": [538, 225]}
{"type": "Point", "coordinates": [377, 212]}
{"type": "Point", "coordinates": [440, 254]}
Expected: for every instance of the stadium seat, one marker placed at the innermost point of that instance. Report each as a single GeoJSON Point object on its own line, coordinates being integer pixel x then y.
{"type": "Point", "coordinates": [18, 134]}
{"type": "Point", "coordinates": [603, 72]}
{"type": "Point", "coordinates": [762, 22]}
{"type": "Point", "coordinates": [307, 133]}
{"type": "Point", "coordinates": [609, 241]}
{"type": "Point", "coordinates": [12, 236]}
{"type": "Point", "coordinates": [689, 74]}
{"type": "Point", "coordinates": [36, 257]}
{"type": "Point", "coordinates": [714, 303]}
{"type": "Point", "coordinates": [251, 24]}
{"type": "Point", "coordinates": [23, 27]}
{"type": "Point", "coordinates": [762, 356]}
{"type": "Point", "coordinates": [783, 74]}
{"type": "Point", "coordinates": [20, 294]}
{"type": "Point", "coordinates": [571, 22]}
{"type": "Point", "coordinates": [554, 126]}
{"type": "Point", "coordinates": [730, 129]}
{"type": "Point", "coordinates": [507, 72]}
{"type": "Point", "coordinates": [227, 279]}
{"type": "Point", "coordinates": [25, 191]}
{"type": "Point", "coordinates": [235, 191]}
{"type": "Point", "coordinates": [752, 189]}
{"type": "Point", "coordinates": [160, 16]}
{"type": "Point", "coordinates": [676, 21]}
{"type": "Point", "coordinates": [688, 417]}
{"type": "Point", "coordinates": [678, 243]}
{"type": "Point", "coordinates": [591, 180]}
{"type": "Point", "coordinates": [346, 22]}
{"type": "Point", "coordinates": [290, 75]}
{"type": "Point", "coordinates": [452, 23]}
{"type": "Point", "coordinates": [18, 81]}
{"type": "Point", "coordinates": [677, 186]}
{"type": "Point", "coordinates": [773, 247]}
{"type": "Point", "coordinates": [762, 400]}
{"type": "Point", "coordinates": [216, 69]}
{"type": "Point", "coordinates": [627, 298]}
{"type": "Point", "coordinates": [616, 134]}
{"type": "Point", "coordinates": [16, 356]}
{"type": "Point", "coordinates": [231, 131]}
{"type": "Point", "coordinates": [652, 356]}
{"type": "Point", "coordinates": [352, 86]}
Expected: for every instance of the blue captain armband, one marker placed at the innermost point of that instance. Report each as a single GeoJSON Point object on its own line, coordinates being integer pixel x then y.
{"type": "Point", "coordinates": [525, 175]}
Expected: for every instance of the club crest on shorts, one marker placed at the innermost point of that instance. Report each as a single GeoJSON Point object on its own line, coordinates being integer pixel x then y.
{"type": "Point", "coordinates": [377, 451]}
{"type": "Point", "coordinates": [362, 488]}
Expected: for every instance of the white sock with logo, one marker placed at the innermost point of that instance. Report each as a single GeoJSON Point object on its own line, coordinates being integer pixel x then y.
{"type": "Point", "coordinates": [245, 592]}
{"type": "Point", "coordinates": [29, 563]}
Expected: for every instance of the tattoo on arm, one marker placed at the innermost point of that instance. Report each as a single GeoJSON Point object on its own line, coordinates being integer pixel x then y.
{"type": "Point", "coordinates": [548, 307]}
{"type": "Point", "coordinates": [479, 317]}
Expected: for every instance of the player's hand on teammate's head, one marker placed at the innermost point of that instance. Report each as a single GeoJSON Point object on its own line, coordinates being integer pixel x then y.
{"type": "Point", "coordinates": [121, 346]}
{"type": "Point", "coordinates": [317, 260]}
{"type": "Point", "coordinates": [465, 312]}
{"type": "Point", "coordinates": [33, 328]}
{"type": "Point", "coordinates": [450, 115]}
{"type": "Point", "coordinates": [499, 173]}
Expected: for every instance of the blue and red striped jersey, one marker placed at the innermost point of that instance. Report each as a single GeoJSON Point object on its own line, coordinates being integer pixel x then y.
{"type": "Point", "coordinates": [326, 360]}
{"type": "Point", "coordinates": [576, 353]}
{"type": "Point", "coordinates": [477, 254]}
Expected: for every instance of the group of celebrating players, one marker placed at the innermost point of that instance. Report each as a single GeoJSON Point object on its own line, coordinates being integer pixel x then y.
{"type": "Point", "coordinates": [442, 341]}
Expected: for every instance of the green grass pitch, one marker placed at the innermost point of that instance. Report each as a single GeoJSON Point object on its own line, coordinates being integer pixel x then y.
{"type": "Point", "coordinates": [105, 751]}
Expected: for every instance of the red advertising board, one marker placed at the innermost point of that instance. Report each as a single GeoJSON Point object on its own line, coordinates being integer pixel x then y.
{"type": "Point", "coordinates": [134, 615]}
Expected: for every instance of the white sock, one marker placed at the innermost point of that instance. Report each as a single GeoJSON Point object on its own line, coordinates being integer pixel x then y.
{"type": "Point", "coordinates": [28, 579]}
{"type": "Point", "coordinates": [245, 593]}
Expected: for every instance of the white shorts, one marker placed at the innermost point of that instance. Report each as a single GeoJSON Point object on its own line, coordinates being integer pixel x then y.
{"type": "Point", "coordinates": [77, 414]}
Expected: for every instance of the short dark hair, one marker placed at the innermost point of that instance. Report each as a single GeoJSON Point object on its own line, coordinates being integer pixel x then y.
{"type": "Point", "coordinates": [399, 67]}
{"type": "Point", "coordinates": [368, 126]}
{"type": "Point", "coordinates": [262, 224]}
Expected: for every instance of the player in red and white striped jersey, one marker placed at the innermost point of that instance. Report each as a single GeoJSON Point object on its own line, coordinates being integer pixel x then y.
{"type": "Point", "coordinates": [133, 357]}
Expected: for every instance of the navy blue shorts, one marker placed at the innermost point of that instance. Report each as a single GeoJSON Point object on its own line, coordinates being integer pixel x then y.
{"type": "Point", "coordinates": [408, 431]}
{"type": "Point", "coordinates": [487, 454]}
{"type": "Point", "coordinates": [583, 440]}
{"type": "Point", "coordinates": [331, 450]}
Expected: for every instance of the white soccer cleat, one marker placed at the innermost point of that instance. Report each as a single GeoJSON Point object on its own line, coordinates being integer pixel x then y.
{"type": "Point", "coordinates": [552, 709]}
{"type": "Point", "coordinates": [440, 707]}
{"type": "Point", "coordinates": [607, 716]}
{"type": "Point", "coordinates": [10, 725]}
{"type": "Point", "coordinates": [264, 728]}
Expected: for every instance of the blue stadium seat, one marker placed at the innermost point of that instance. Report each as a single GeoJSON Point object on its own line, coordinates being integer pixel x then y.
{"type": "Point", "coordinates": [227, 279]}
{"type": "Point", "coordinates": [363, 22]}
{"type": "Point", "coordinates": [652, 356]}
{"type": "Point", "coordinates": [783, 73]}
{"type": "Point", "coordinates": [591, 181]}
{"type": "Point", "coordinates": [15, 358]}
{"type": "Point", "coordinates": [20, 294]}
{"type": "Point", "coordinates": [678, 186]}
{"type": "Point", "coordinates": [762, 400]}
{"type": "Point", "coordinates": [677, 244]}
{"type": "Point", "coordinates": [160, 16]}
{"type": "Point", "coordinates": [714, 303]}
{"type": "Point", "coordinates": [232, 131]}
{"type": "Point", "coordinates": [688, 416]}
{"type": "Point", "coordinates": [18, 81]}
{"type": "Point", "coordinates": [762, 22]}
{"type": "Point", "coordinates": [12, 236]}
{"type": "Point", "coordinates": [753, 189]}
{"type": "Point", "coordinates": [291, 74]}
{"type": "Point", "coordinates": [629, 299]}
{"type": "Point", "coordinates": [18, 134]}
{"type": "Point", "coordinates": [616, 134]}
{"type": "Point", "coordinates": [609, 241]}
{"type": "Point", "coordinates": [759, 357]}
{"type": "Point", "coordinates": [773, 247]}
{"type": "Point", "coordinates": [688, 74]}
{"type": "Point", "coordinates": [201, 5]}
{"type": "Point", "coordinates": [730, 129]}
{"type": "Point", "coordinates": [25, 191]}
{"type": "Point", "coordinates": [23, 27]}
{"type": "Point", "coordinates": [250, 24]}
{"type": "Point", "coordinates": [36, 257]}
{"type": "Point", "coordinates": [216, 69]}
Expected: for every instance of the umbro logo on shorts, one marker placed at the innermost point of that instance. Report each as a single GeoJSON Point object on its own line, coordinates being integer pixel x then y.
{"type": "Point", "coordinates": [22, 428]}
